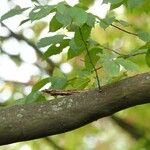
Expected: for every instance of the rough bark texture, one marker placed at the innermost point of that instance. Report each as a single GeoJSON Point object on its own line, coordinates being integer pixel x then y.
{"type": "Point", "coordinates": [36, 120]}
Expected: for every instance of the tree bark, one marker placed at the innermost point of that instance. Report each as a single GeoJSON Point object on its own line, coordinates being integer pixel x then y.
{"type": "Point", "coordinates": [36, 120]}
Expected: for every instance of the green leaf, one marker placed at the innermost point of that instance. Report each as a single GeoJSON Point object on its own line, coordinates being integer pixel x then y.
{"type": "Point", "coordinates": [112, 1]}
{"type": "Point", "coordinates": [54, 49]}
{"type": "Point", "coordinates": [35, 1]}
{"type": "Point", "coordinates": [106, 22]}
{"type": "Point", "coordinates": [58, 82]}
{"type": "Point", "coordinates": [40, 84]}
{"type": "Point", "coordinates": [13, 12]}
{"type": "Point", "coordinates": [93, 55]}
{"type": "Point", "coordinates": [64, 19]}
{"type": "Point", "coordinates": [78, 38]}
{"type": "Point", "coordinates": [80, 83]}
{"type": "Point", "coordinates": [111, 67]}
{"type": "Point", "coordinates": [144, 47]}
{"type": "Point", "coordinates": [147, 57]}
{"type": "Point", "coordinates": [74, 50]}
{"type": "Point", "coordinates": [145, 36]}
{"type": "Point", "coordinates": [80, 5]}
{"type": "Point", "coordinates": [20, 101]}
{"type": "Point", "coordinates": [86, 31]}
{"type": "Point", "coordinates": [24, 21]}
{"type": "Point", "coordinates": [115, 5]}
{"type": "Point", "coordinates": [78, 15]}
{"type": "Point", "coordinates": [127, 64]}
{"type": "Point", "coordinates": [132, 4]}
{"type": "Point", "coordinates": [84, 72]}
{"type": "Point", "coordinates": [86, 3]}
{"type": "Point", "coordinates": [91, 20]}
{"type": "Point", "coordinates": [34, 97]}
{"type": "Point", "coordinates": [72, 27]}
{"type": "Point", "coordinates": [82, 34]}
{"type": "Point", "coordinates": [40, 12]}
{"type": "Point", "coordinates": [54, 25]}
{"type": "Point", "coordinates": [123, 23]}
{"type": "Point", "coordinates": [63, 14]}
{"type": "Point", "coordinates": [50, 40]}
{"type": "Point", "coordinates": [93, 42]}
{"type": "Point", "coordinates": [61, 7]}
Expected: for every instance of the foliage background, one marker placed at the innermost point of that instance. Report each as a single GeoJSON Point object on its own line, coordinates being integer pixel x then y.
{"type": "Point", "coordinates": [21, 52]}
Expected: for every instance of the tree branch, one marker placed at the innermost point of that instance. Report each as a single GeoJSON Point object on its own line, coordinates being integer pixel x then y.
{"type": "Point", "coordinates": [30, 43]}
{"type": "Point", "coordinates": [36, 120]}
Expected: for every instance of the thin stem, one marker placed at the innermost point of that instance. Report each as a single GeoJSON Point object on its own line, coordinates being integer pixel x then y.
{"type": "Point", "coordinates": [124, 30]}
{"type": "Point", "coordinates": [124, 55]}
{"type": "Point", "coordinates": [134, 54]}
{"type": "Point", "coordinates": [90, 59]}
{"type": "Point", "coordinates": [135, 34]}
{"type": "Point", "coordinates": [111, 50]}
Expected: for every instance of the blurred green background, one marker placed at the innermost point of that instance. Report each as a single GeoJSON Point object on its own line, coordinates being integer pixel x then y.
{"type": "Point", "coordinates": [21, 67]}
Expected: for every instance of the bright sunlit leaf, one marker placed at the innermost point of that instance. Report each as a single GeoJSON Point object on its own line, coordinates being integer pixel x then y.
{"type": "Point", "coordinates": [50, 40]}
{"type": "Point", "coordinates": [40, 12]}
{"type": "Point", "coordinates": [127, 64]}
{"type": "Point", "coordinates": [78, 15]}
{"type": "Point", "coordinates": [106, 22]}
{"type": "Point", "coordinates": [40, 84]}
{"type": "Point", "coordinates": [111, 67]}
{"type": "Point", "coordinates": [54, 25]}
{"type": "Point", "coordinates": [54, 49]}
{"type": "Point", "coordinates": [13, 12]}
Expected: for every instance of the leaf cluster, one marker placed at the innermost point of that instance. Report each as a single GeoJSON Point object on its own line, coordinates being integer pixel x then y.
{"type": "Point", "coordinates": [77, 20]}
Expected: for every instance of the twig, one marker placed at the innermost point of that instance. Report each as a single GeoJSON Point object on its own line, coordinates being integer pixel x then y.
{"type": "Point", "coordinates": [124, 30]}
{"type": "Point", "coordinates": [134, 54]}
{"type": "Point", "coordinates": [124, 55]}
{"type": "Point", "coordinates": [110, 49]}
{"type": "Point", "coordinates": [135, 34]}
{"type": "Point", "coordinates": [90, 59]}
{"type": "Point", "coordinates": [54, 92]}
